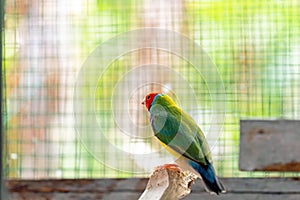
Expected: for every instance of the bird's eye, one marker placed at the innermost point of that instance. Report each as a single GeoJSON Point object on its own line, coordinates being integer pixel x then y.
{"type": "Point", "coordinates": [148, 97]}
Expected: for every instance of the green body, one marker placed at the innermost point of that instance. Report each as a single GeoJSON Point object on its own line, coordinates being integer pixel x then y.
{"type": "Point", "coordinates": [175, 128]}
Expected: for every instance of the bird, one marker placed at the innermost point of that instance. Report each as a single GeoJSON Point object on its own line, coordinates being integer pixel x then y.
{"type": "Point", "coordinates": [182, 137]}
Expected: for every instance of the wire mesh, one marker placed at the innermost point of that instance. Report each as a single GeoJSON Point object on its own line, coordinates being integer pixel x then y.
{"type": "Point", "coordinates": [255, 46]}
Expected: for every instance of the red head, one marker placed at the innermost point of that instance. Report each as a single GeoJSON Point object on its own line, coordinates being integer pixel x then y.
{"type": "Point", "coordinates": [149, 99]}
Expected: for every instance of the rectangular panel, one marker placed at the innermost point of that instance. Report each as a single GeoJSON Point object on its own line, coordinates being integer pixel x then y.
{"type": "Point", "coordinates": [269, 145]}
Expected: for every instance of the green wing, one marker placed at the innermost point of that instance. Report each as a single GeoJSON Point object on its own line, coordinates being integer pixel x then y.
{"type": "Point", "coordinates": [180, 132]}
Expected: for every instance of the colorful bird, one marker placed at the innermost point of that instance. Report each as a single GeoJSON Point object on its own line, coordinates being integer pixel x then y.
{"type": "Point", "coordinates": [182, 137]}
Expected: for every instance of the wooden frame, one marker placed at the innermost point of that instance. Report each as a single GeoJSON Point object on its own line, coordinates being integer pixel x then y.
{"type": "Point", "coordinates": [119, 189]}
{"type": "Point", "coordinates": [269, 145]}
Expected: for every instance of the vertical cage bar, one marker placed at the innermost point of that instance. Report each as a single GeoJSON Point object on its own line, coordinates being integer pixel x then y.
{"type": "Point", "coordinates": [1, 96]}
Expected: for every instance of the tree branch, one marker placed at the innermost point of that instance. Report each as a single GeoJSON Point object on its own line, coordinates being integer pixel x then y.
{"type": "Point", "coordinates": [168, 182]}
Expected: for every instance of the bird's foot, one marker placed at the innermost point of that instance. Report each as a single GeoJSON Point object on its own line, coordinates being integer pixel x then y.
{"type": "Point", "coordinates": [169, 166]}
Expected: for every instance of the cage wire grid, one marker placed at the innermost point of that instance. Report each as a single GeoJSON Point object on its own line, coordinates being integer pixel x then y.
{"type": "Point", "coordinates": [255, 46]}
{"type": "Point", "coordinates": [1, 105]}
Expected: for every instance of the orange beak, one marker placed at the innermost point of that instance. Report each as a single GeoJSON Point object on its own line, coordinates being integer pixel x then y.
{"type": "Point", "coordinates": [143, 102]}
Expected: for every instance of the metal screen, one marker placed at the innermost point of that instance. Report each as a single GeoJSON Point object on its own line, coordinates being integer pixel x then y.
{"type": "Point", "coordinates": [74, 73]}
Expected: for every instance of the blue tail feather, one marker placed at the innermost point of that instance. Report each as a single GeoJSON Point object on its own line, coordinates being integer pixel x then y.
{"type": "Point", "coordinates": [209, 177]}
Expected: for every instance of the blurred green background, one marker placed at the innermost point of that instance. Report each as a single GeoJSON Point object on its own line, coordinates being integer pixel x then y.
{"type": "Point", "coordinates": [254, 44]}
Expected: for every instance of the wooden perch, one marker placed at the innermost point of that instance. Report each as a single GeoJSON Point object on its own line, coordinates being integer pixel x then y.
{"type": "Point", "coordinates": [168, 182]}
